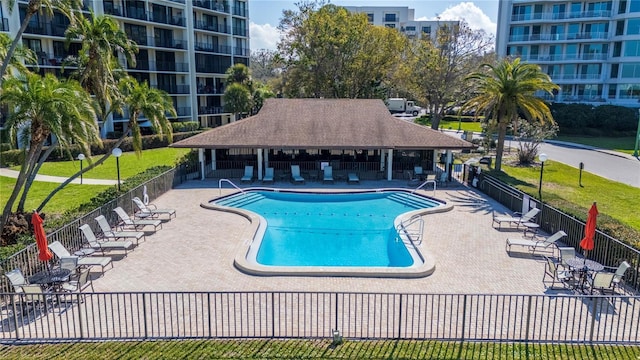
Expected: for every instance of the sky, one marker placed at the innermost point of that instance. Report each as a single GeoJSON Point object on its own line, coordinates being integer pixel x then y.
{"type": "Point", "coordinates": [264, 15]}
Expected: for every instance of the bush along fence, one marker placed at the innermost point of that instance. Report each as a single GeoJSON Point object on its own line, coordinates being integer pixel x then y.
{"type": "Point", "coordinates": [69, 235]}
{"type": "Point", "coordinates": [454, 317]}
{"type": "Point", "coordinates": [607, 251]}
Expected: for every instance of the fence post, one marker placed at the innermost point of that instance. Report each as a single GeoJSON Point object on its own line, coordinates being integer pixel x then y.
{"type": "Point", "coordinates": [273, 315]}
{"type": "Point", "coordinates": [593, 318]}
{"type": "Point", "coordinates": [336, 309]}
{"type": "Point", "coordinates": [464, 315]}
{"type": "Point", "coordinates": [209, 313]}
{"type": "Point", "coordinates": [528, 322]}
{"type": "Point", "coordinates": [144, 315]}
{"type": "Point", "coordinates": [15, 316]}
{"type": "Point", "coordinates": [400, 317]}
{"type": "Point", "coordinates": [80, 317]}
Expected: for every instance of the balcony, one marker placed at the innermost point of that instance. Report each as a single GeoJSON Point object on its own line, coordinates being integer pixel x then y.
{"type": "Point", "coordinates": [240, 11]}
{"type": "Point", "coordinates": [240, 31]}
{"type": "Point", "coordinates": [562, 16]}
{"type": "Point", "coordinates": [166, 43]}
{"type": "Point", "coordinates": [169, 66]}
{"type": "Point", "coordinates": [169, 20]}
{"type": "Point", "coordinates": [46, 28]}
{"type": "Point", "coordinates": [208, 68]}
{"type": "Point", "coordinates": [112, 10]}
{"type": "Point", "coordinates": [183, 111]}
{"type": "Point", "coordinates": [588, 36]}
{"type": "Point", "coordinates": [209, 110]}
{"type": "Point", "coordinates": [136, 13]}
{"type": "Point", "coordinates": [211, 5]}
{"type": "Point", "coordinates": [201, 25]}
{"type": "Point", "coordinates": [173, 89]}
{"type": "Point", "coordinates": [206, 47]}
{"type": "Point", "coordinates": [241, 51]}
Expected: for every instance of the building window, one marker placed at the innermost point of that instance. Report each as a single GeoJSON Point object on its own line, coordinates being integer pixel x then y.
{"type": "Point", "coordinates": [634, 6]}
{"type": "Point", "coordinates": [391, 26]}
{"type": "Point", "coordinates": [632, 48]}
{"type": "Point", "coordinates": [426, 29]}
{"type": "Point", "coordinates": [617, 48]}
{"type": "Point", "coordinates": [633, 27]}
{"type": "Point", "coordinates": [613, 89]}
{"type": "Point", "coordinates": [390, 17]}
{"type": "Point", "coordinates": [622, 7]}
{"type": "Point", "coordinates": [370, 17]}
{"type": "Point", "coordinates": [411, 28]}
{"type": "Point", "coordinates": [631, 70]}
{"type": "Point", "coordinates": [614, 71]}
{"type": "Point", "coordinates": [619, 27]}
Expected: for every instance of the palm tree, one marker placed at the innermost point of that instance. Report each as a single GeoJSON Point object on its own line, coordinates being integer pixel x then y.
{"type": "Point", "coordinates": [45, 106]}
{"type": "Point", "coordinates": [66, 7]}
{"type": "Point", "coordinates": [21, 55]}
{"type": "Point", "coordinates": [155, 104]}
{"type": "Point", "coordinates": [97, 67]}
{"type": "Point", "coordinates": [506, 90]}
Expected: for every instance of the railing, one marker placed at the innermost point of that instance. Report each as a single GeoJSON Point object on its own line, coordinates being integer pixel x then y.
{"type": "Point", "coordinates": [69, 235]}
{"type": "Point", "coordinates": [230, 183]}
{"type": "Point", "coordinates": [430, 181]}
{"type": "Point", "coordinates": [412, 229]}
{"type": "Point", "coordinates": [451, 317]}
{"type": "Point", "coordinates": [608, 250]}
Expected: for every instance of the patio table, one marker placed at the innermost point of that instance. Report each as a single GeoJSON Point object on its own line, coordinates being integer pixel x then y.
{"type": "Point", "coordinates": [53, 277]}
{"type": "Point", "coordinates": [582, 266]}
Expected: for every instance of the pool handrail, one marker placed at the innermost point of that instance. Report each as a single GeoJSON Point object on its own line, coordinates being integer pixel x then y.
{"type": "Point", "coordinates": [424, 184]}
{"type": "Point", "coordinates": [230, 182]}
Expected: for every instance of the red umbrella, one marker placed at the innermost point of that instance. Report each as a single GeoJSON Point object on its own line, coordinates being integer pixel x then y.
{"type": "Point", "coordinates": [41, 238]}
{"type": "Point", "coordinates": [590, 229]}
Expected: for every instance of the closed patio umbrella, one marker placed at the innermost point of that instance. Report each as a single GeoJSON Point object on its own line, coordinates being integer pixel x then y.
{"type": "Point", "coordinates": [41, 238]}
{"type": "Point", "coordinates": [589, 229]}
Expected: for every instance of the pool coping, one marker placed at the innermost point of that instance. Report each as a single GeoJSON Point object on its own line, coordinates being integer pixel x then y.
{"type": "Point", "coordinates": [257, 227]}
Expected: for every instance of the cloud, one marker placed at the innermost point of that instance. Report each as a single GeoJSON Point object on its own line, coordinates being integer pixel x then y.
{"type": "Point", "coordinates": [263, 36]}
{"type": "Point", "coordinates": [472, 14]}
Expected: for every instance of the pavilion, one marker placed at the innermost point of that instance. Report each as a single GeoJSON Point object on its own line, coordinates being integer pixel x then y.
{"type": "Point", "coordinates": [348, 134]}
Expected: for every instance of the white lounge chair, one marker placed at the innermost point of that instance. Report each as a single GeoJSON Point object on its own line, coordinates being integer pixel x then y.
{"type": "Point", "coordinates": [136, 224]}
{"type": "Point", "coordinates": [151, 211]}
{"type": "Point", "coordinates": [418, 172]}
{"type": "Point", "coordinates": [295, 174]}
{"type": "Point", "coordinates": [268, 175]}
{"type": "Point", "coordinates": [327, 174]}
{"type": "Point", "coordinates": [352, 178]}
{"type": "Point", "coordinates": [103, 246]}
{"type": "Point", "coordinates": [518, 220]}
{"type": "Point", "coordinates": [109, 233]}
{"type": "Point", "coordinates": [62, 253]}
{"type": "Point", "coordinates": [248, 174]}
{"type": "Point", "coordinates": [534, 245]}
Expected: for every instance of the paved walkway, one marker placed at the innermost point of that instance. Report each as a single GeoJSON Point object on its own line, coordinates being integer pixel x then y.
{"type": "Point", "coordinates": [58, 179]}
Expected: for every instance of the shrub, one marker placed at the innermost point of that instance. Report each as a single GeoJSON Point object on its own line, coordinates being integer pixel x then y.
{"type": "Point", "coordinates": [603, 120]}
{"type": "Point", "coordinates": [185, 126]}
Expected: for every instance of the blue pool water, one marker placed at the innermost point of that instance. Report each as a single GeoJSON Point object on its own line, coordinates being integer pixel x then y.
{"type": "Point", "coordinates": [313, 229]}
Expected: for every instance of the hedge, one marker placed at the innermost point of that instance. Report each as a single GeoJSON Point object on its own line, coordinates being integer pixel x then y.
{"type": "Point", "coordinates": [603, 120]}
{"type": "Point", "coordinates": [15, 157]}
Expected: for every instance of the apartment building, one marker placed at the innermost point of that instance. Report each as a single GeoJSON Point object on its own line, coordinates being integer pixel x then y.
{"type": "Point", "coordinates": [185, 47]}
{"type": "Point", "coordinates": [591, 49]}
{"type": "Point", "coordinates": [401, 18]}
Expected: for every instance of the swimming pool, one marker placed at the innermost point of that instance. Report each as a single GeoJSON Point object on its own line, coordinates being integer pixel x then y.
{"type": "Point", "coordinates": [349, 233]}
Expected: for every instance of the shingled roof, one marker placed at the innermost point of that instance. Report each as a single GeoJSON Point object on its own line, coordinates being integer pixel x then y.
{"type": "Point", "coordinates": [323, 124]}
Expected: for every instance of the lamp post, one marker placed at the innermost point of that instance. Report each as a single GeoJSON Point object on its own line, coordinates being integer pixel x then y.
{"type": "Point", "coordinates": [543, 157]}
{"type": "Point", "coordinates": [117, 153]}
{"type": "Point", "coordinates": [80, 157]}
{"type": "Point", "coordinates": [635, 150]}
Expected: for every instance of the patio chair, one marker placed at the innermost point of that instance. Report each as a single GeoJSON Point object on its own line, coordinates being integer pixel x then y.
{"type": "Point", "coordinates": [268, 175]}
{"type": "Point", "coordinates": [518, 220]}
{"type": "Point", "coordinates": [295, 174]}
{"type": "Point", "coordinates": [109, 233]}
{"type": "Point", "coordinates": [248, 174]}
{"type": "Point", "coordinates": [136, 224]}
{"type": "Point", "coordinates": [602, 281]}
{"type": "Point", "coordinates": [557, 273]}
{"type": "Point", "coordinates": [619, 273]}
{"type": "Point", "coordinates": [352, 178]}
{"type": "Point", "coordinates": [86, 261]}
{"type": "Point", "coordinates": [418, 172]}
{"type": "Point", "coordinates": [103, 246]}
{"type": "Point", "coordinates": [533, 245]}
{"type": "Point", "coordinates": [83, 281]}
{"type": "Point", "coordinates": [17, 280]}
{"type": "Point", "coordinates": [566, 253]}
{"type": "Point", "coordinates": [151, 211]}
{"type": "Point", "coordinates": [327, 174]}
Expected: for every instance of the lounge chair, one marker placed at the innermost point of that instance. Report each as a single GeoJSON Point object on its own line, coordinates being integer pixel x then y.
{"type": "Point", "coordinates": [103, 246]}
{"type": "Point", "coordinates": [151, 211]}
{"type": "Point", "coordinates": [62, 253]}
{"type": "Point", "coordinates": [268, 175]}
{"type": "Point", "coordinates": [327, 174]}
{"type": "Point", "coordinates": [352, 178]}
{"type": "Point", "coordinates": [135, 224]}
{"type": "Point", "coordinates": [109, 233]}
{"type": "Point", "coordinates": [518, 220]}
{"type": "Point", "coordinates": [295, 174]}
{"type": "Point", "coordinates": [17, 280]}
{"type": "Point", "coordinates": [534, 245]}
{"type": "Point", "coordinates": [418, 172]}
{"type": "Point", "coordinates": [248, 174]}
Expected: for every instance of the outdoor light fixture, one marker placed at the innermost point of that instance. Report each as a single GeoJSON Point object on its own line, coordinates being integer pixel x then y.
{"type": "Point", "coordinates": [543, 157]}
{"type": "Point", "coordinates": [337, 337]}
{"type": "Point", "coordinates": [81, 157]}
{"type": "Point", "coordinates": [117, 153]}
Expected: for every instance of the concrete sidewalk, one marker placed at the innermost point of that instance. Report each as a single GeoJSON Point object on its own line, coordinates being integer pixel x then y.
{"type": "Point", "coordinates": [58, 179]}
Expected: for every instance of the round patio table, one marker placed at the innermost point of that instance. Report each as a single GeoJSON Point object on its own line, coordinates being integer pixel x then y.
{"type": "Point", "coordinates": [50, 277]}
{"type": "Point", "coordinates": [584, 264]}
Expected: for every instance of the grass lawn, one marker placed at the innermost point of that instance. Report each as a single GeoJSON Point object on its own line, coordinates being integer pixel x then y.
{"type": "Point", "coordinates": [621, 144]}
{"type": "Point", "coordinates": [315, 349]}
{"type": "Point", "coordinates": [130, 165]}
{"type": "Point", "coordinates": [562, 182]}
{"type": "Point", "coordinates": [464, 126]}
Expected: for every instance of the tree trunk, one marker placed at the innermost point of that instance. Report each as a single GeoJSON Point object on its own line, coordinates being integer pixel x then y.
{"type": "Point", "coordinates": [74, 176]}
{"type": "Point", "coordinates": [11, 51]}
{"type": "Point", "coordinates": [502, 132]}
{"type": "Point", "coordinates": [22, 177]}
{"type": "Point", "coordinates": [32, 175]}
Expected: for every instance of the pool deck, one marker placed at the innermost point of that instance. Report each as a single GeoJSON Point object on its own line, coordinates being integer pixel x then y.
{"type": "Point", "coordinates": [195, 250]}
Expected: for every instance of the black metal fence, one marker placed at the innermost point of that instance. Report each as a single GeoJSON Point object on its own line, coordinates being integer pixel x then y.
{"type": "Point", "coordinates": [608, 250]}
{"type": "Point", "coordinates": [182, 315]}
{"type": "Point", "coordinates": [69, 235]}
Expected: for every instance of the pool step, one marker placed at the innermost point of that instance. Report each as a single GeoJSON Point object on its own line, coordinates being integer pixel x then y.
{"type": "Point", "coordinates": [241, 200]}
{"type": "Point", "coordinates": [410, 200]}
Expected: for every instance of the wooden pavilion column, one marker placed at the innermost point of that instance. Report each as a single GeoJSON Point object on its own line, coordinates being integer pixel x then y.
{"type": "Point", "coordinates": [201, 160]}
{"type": "Point", "coordinates": [390, 165]}
{"type": "Point", "coordinates": [214, 165]}
{"type": "Point", "coordinates": [259, 164]}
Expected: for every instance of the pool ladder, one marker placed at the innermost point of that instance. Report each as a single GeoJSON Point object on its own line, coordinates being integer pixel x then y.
{"type": "Point", "coordinates": [231, 183]}
{"type": "Point", "coordinates": [411, 229]}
